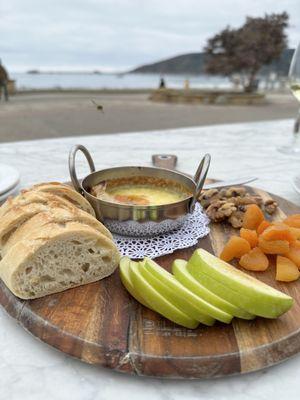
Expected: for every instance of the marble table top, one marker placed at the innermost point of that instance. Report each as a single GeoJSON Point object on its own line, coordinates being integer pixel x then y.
{"type": "Point", "coordinates": [31, 370]}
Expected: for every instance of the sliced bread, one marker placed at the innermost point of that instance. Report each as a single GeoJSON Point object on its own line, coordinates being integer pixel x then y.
{"type": "Point", "coordinates": [66, 192]}
{"type": "Point", "coordinates": [56, 259]}
{"type": "Point", "coordinates": [53, 215]}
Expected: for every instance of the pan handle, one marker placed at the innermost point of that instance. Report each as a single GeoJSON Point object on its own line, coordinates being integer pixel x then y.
{"type": "Point", "coordinates": [199, 179]}
{"type": "Point", "coordinates": [72, 169]}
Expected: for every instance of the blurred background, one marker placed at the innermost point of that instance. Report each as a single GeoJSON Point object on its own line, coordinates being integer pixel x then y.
{"type": "Point", "coordinates": [105, 66]}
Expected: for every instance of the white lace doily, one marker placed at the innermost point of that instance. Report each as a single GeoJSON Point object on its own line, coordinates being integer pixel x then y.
{"type": "Point", "coordinates": [194, 228]}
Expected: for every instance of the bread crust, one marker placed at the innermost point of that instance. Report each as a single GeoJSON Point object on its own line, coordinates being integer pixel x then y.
{"type": "Point", "coordinates": [16, 216]}
{"type": "Point", "coordinates": [53, 215]}
{"type": "Point", "coordinates": [29, 197]}
{"type": "Point", "coordinates": [66, 192]}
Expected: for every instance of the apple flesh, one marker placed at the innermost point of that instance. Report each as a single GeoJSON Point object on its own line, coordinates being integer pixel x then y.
{"type": "Point", "coordinates": [181, 296]}
{"type": "Point", "coordinates": [176, 298]}
{"type": "Point", "coordinates": [156, 301]}
{"type": "Point", "coordinates": [179, 269]}
{"type": "Point", "coordinates": [127, 282]}
{"type": "Point", "coordinates": [237, 287]}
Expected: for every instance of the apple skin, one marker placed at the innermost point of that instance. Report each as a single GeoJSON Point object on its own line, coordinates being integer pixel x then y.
{"type": "Point", "coordinates": [181, 296]}
{"type": "Point", "coordinates": [127, 282]}
{"type": "Point", "coordinates": [237, 287]}
{"type": "Point", "coordinates": [179, 269]}
{"type": "Point", "coordinates": [176, 298]}
{"type": "Point", "coordinates": [156, 301]}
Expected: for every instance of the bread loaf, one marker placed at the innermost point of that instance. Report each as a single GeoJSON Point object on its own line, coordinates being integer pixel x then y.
{"type": "Point", "coordinates": [56, 259]}
{"type": "Point", "coordinates": [50, 242]}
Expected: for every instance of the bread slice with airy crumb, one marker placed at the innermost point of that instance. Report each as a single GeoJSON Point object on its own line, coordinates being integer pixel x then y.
{"type": "Point", "coordinates": [53, 215]}
{"type": "Point", "coordinates": [66, 192]}
{"type": "Point", "coordinates": [56, 259]}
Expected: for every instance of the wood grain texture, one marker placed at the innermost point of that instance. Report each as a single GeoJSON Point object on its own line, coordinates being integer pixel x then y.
{"type": "Point", "coordinates": [101, 324]}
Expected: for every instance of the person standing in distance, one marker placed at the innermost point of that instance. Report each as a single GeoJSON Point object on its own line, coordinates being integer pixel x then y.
{"type": "Point", "coordinates": [3, 82]}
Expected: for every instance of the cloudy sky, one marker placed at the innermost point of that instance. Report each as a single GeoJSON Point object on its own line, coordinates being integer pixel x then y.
{"type": "Point", "coordinates": [117, 34]}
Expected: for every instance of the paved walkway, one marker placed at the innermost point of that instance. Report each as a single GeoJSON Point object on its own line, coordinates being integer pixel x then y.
{"type": "Point", "coordinates": [50, 115]}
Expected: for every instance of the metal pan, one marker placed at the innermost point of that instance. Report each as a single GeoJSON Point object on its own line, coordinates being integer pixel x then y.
{"type": "Point", "coordinates": [137, 220]}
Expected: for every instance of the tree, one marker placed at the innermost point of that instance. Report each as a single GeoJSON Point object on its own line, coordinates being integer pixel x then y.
{"type": "Point", "coordinates": [246, 49]}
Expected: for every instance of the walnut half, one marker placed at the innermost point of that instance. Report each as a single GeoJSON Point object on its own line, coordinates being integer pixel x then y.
{"type": "Point", "coordinates": [208, 196]}
{"type": "Point", "coordinates": [220, 210]}
{"type": "Point", "coordinates": [236, 219]}
{"type": "Point", "coordinates": [270, 206]}
{"type": "Point", "coordinates": [235, 191]}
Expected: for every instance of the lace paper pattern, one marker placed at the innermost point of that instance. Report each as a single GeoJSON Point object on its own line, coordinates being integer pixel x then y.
{"type": "Point", "coordinates": [194, 228]}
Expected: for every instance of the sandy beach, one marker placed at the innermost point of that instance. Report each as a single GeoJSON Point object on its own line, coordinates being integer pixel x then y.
{"type": "Point", "coordinates": [47, 114]}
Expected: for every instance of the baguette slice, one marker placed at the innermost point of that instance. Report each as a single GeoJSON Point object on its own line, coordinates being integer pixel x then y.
{"type": "Point", "coordinates": [57, 259]}
{"type": "Point", "coordinates": [66, 192]}
{"type": "Point", "coordinates": [60, 216]}
{"type": "Point", "coordinates": [16, 211]}
{"type": "Point", "coordinates": [15, 217]}
{"type": "Point", "coordinates": [29, 197]}
{"type": "Point", "coordinates": [18, 215]}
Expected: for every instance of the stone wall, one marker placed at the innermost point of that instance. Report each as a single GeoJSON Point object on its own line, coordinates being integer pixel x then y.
{"type": "Point", "coordinates": [207, 97]}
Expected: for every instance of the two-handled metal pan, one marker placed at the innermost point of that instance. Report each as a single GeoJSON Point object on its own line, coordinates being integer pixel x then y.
{"type": "Point", "coordinates": [139, 220]}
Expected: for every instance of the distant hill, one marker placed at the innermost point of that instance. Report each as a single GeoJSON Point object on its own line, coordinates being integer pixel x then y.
{"type": "Point", "coordinates": [193, 64]}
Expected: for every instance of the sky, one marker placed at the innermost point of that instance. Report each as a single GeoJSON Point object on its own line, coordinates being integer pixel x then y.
{"type": "Point", "coordinates": [115, 35]}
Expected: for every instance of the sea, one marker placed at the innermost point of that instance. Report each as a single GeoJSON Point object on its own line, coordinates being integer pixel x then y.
{"type": "Point", "coordinates": [112, 81]}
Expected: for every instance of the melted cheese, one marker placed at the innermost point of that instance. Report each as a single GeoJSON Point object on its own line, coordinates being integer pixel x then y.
{"type": "Point", "coordinates": [145, 195]}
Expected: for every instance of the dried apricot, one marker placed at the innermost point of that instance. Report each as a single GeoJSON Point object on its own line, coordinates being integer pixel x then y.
{"type": "Point", "coordinates": [273, 246]}
{"type": "Point", "coordinates": [294, 253]}
{"type": "Point", "coordinates": [278, 231]}
{"type": "Point", "coordinates": [262, 226]}
{"type": "Point", "coordinates": [253, 217]}
{"type": "Point", "coordinates": [286, 270]}
{"type": "Point", "coordinates": [293, 220]}
{"type": "Point", "coordinates": [250, 235]}
{"type": "Point", "coordinates": [295, 232]}
{"type": "Point", "coordinates": [236, 247]}
{"type": "Point", "coordinates": [255, 260]}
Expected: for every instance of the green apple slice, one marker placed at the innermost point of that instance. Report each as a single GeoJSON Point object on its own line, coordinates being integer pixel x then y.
{"type": "Point", "coordinates": [180, 295]}
{"type": "Point", "coordinates": [176, 298]}
{"type": "Point", "coordinates": [237, 287]}
{"type": "Point", "coordinates": [127, 282]}
{"type": "Point", "coordinates": [179, 269]}
{"type": "Point", "coordinates": [156, 301]}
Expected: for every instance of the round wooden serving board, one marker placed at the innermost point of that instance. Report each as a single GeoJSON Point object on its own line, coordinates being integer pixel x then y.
{"type": "Point", "coordinates": [102, 324]}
